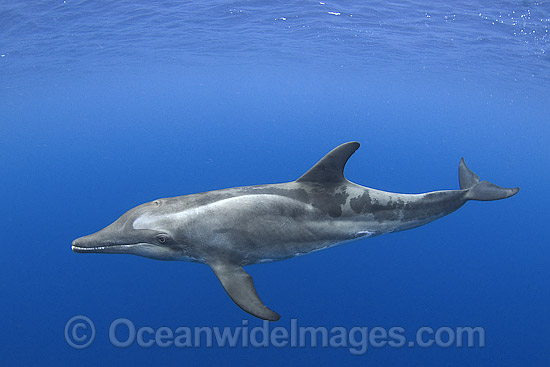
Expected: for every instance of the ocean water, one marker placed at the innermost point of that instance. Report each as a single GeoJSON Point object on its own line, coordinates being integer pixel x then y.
{"type": "Point", "coordinates": [107, 105]}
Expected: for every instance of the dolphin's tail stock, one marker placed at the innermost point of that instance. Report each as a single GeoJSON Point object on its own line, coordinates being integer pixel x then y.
{"type": "Point", "coordinates": [481, 190]}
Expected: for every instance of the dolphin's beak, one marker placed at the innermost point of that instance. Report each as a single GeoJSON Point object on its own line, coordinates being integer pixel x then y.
{"type": "Point", "coordinates": [95, 242]}
{"type": "Point", "coordinates": [86, 244]}
{"type": "Point", "coordinates": [104, 241]}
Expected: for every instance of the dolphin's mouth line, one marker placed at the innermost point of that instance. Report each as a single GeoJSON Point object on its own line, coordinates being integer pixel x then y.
{"type": "Point", "coordinates": [100, 248]}
{"type": "Point", "coordinates": [84, 249]}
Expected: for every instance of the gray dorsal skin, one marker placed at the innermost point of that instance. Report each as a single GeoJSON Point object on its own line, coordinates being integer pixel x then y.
{"type": "Point", "coordinates": [231, 228]}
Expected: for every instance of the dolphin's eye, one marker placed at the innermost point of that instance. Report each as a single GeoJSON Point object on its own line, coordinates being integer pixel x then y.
{"type": "Point", "coordinates": [162, 238]}
{"type": "Point", "coordinates": [157, 202]}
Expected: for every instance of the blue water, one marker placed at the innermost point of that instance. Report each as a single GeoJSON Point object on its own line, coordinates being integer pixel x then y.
{"type": "Point", "coordinates": [106, 105]}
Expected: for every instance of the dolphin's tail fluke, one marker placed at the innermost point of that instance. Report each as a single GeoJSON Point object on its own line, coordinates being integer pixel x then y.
{"type": "Point", "coordinates": [481, 190]}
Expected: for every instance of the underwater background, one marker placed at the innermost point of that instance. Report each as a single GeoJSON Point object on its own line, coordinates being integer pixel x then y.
{"type": "Point", "coordinates": [105, 105]}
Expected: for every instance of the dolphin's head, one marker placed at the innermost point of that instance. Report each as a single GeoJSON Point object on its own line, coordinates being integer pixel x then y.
{"type": "Point", "coordinates": [144, 230]}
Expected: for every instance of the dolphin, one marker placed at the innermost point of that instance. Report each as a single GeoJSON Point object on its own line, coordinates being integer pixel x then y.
{"type": "Point", "coordinates": [231, 228]}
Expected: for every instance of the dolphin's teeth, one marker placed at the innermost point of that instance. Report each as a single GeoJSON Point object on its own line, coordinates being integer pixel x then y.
{"type": "Point", "coordinates": [88, 248]}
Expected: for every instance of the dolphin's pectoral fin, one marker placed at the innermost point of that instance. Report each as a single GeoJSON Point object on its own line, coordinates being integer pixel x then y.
{"type": "Point", "coordinates": [239, 286]}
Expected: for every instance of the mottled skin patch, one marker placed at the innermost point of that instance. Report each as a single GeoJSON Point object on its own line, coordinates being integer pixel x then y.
{"type": "Point", "coordinates": [406, 208]}
{"type": "Point", "coordinates": [363, 204]}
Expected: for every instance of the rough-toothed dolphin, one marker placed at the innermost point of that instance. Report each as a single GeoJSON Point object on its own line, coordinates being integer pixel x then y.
{"type": "Point", "coordinates": [230, 228]}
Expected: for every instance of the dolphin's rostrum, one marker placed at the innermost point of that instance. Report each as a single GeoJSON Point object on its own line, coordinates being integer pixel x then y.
{"type": "Point", "coordinates": [228, 229]}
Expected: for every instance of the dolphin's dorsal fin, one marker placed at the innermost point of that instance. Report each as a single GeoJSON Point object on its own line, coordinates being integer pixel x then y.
{"type": "Point", "coordinates": [330, 169]}
{"type": "Point", "coordinates": [239, 286]}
